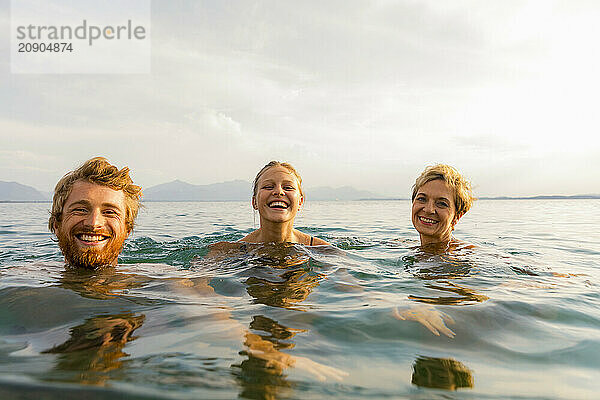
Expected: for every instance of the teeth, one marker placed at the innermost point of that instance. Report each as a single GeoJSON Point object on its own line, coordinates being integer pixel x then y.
{"type": "Point", "coordinates": [278, 204]}
{"type": "Point", "coordinates": [91, 238]}
{"type": "Point", "coordinates": [427, 220]}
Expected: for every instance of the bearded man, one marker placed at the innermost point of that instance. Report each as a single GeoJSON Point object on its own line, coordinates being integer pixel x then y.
{"type": "Point", "coordinates": [93, 212]}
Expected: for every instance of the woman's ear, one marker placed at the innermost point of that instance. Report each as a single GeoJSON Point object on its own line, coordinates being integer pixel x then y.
{"type": "Point", "coordinates": [301, 201]}
{"type": "Point", "coordinates": [254, 203]}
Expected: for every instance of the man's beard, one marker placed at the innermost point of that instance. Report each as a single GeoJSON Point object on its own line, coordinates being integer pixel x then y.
{"type": "Point", "coordinates": [89, 258]}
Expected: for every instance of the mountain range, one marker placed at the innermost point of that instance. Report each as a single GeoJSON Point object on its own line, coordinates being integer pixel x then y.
{"type": "Point", "coordinates": [177, 190]}
{"type": "Point", "coordinates": [13, 191]}
{"type": "Point", "coordinates": [237, 190]}
{"type": "Point", "coordinates": [240, 191]}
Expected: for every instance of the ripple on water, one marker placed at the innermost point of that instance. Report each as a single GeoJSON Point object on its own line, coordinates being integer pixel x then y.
{"type": "Point", "coordinates": [177, 321]}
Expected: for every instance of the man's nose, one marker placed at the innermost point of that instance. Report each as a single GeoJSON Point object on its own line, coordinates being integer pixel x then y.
{"type": "Point", "coordinates": [95, 219]}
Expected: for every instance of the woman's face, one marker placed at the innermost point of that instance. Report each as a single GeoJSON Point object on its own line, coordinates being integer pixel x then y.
{"type": "Point", "coordinates": [278, 196]}
{"type": "Point", "coordinates": [434, 212]}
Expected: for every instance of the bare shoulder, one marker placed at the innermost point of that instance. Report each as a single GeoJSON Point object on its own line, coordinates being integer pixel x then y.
{"type": "Point", "coordinates": [251, 237]}
{"type": "Point", "coordinates": [319, 242]}
{"type": "Point", "coordinates": [457, 244]}
{"type": "Point", "coordinates": [309, 240]}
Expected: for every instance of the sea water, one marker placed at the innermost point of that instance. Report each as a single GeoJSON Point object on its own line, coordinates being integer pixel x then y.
{"type": "Point", "coordinates": [517, 315]}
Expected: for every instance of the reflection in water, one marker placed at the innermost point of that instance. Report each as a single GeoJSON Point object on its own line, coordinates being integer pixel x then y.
{"type": "Point", "coordinates": [465, 295]}
{"type": "Point", "coordinates": [278, 255]}
{"type": "Point", "coordinates": [522, 343]}
{"type": "Point", "coordinates": [294, 287]}
{"type": "Point", "coordinates": [437, 266]}
{"type": "Point", "coordinates": [101, 284]}
{"type": "Point", "coordinates": [285, 275]}
{"type": "Point", "coordinates": [261, 375]}
{"type": "Point", "coordinates": [426, 265]}
{"type": "Point", "coordinates": [282, 276]}
{"type": "Point", "coordinates": [95, 347]}
{"type": "Point", "coordinates": [441, 373]}
{"type": "Point", "coordinates": [430, 264]}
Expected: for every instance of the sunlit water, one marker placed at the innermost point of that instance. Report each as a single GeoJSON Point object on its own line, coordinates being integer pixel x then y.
{"type": "Point", "coordinates": [520, 310]}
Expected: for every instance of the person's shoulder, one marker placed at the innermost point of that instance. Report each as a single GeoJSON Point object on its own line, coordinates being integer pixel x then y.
{"type": "Point", "coordinates": [457, 244]}
{"type": "Point", "coordinates": [309, 240]}
{"type": "Point", "coordinates": [250, 238]}
{"type": "Point", "coordinates": [319, 242]}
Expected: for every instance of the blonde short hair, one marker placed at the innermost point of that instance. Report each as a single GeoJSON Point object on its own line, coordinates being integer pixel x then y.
{"type": "Point", "coordinates": [463, 194]}
{"type": "Point", "coordinates": [285, 165]}
{"type": "Point", "coordinates": [99, 171]}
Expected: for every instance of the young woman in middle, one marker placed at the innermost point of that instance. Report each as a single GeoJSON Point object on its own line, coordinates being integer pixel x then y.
{"type": "Point", "coordinates": [281, 281]}
{"type": "Point", "coordinates": [277, 196]}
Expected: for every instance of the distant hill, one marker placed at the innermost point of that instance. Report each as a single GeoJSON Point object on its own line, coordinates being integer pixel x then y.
{"type": "Point", "coordinates": [13, 191]}
{"type": "Point", "coordinates": [182, 191]}
{"type": "Point", "coordinates": [240, 191]}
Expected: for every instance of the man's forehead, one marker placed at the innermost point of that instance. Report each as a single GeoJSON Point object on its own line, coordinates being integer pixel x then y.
{"type": "Point", "coordinates": [84, 191]}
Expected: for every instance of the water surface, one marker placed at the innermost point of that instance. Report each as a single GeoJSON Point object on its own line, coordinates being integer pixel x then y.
{"type": "Point", "coordinates": [515, 316]}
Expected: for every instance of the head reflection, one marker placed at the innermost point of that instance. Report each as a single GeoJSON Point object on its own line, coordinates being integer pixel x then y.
{"type": "Point", "coordinates": [95, 347]}
{"type": "Point", "coordinates": [441, 373]}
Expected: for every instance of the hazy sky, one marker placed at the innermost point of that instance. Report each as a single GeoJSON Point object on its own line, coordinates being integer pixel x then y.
{"type": "Point", "coordinates": [360, 93]}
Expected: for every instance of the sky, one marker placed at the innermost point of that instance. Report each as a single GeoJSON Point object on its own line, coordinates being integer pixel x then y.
{"type": "Point", "coordinates": [358, 93]}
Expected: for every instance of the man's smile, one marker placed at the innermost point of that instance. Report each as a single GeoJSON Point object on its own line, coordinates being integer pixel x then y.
{"type": "Point", "coordinates": [92, 238]}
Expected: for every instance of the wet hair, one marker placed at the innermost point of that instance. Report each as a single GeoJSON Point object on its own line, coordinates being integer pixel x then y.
{"type": "Point", "coordinates": [100, 172]}
{"type": "Point", "coordinates": [463, 194]}
{"type": "Point", "coordinates": [285, 165]}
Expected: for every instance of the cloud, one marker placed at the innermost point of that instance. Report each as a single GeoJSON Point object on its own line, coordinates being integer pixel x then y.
{"type": "Point", "coordinates": [354, 93]}
{"type": "Point", "coordinates": [488, 143]}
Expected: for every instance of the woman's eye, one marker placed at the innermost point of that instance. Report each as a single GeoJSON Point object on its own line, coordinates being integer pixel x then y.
{"type": "Point", "coordinates": [442, 204]}
{"type": "Point", "coordinates": [110, 212]}
{"type": "Point", "coordinates": [420, 198]}
{"type": "Point", "coordinates": [289, 188]}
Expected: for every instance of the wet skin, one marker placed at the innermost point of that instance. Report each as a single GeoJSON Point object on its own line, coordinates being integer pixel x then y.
{"type": "Point", "coordinates": [434, 212]}
{"type": "Point", "coordinates": [278, 197]}
{"type": "Point", "coordinates": [92, 228]}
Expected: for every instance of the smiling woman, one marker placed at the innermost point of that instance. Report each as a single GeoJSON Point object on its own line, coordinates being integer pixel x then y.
{"type": "Point", "coordinates": [440, 197]}
{"type": "Point", "coordinates": [278, 195]}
